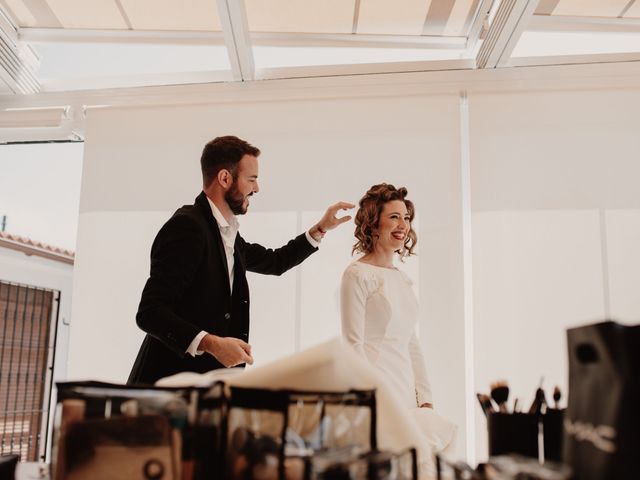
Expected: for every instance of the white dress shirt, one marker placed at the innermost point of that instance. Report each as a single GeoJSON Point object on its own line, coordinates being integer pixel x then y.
{"type": "Point", "coordinates": [228, 232]}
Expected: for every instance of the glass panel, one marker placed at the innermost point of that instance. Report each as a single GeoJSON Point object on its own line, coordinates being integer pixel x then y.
{"type": "Point", "coordinates": [69, 61]}
{"type": "Point", "coordinates": [590, 8]}
{"type": "Point", "coordinates": [416, 17]}
{"type": "Point", "coordinates": [201, 15]}
{"type": "Point", "coordinates": [633, 12]}
{"type": "Point", "coordinates": [93, 14]}
{"type": "Point", "coordinates": [21, 14]}
{"type": "Point", "coordinates": [534, 44]}
{"type": "Point", "coordinates": [270, 57]}
{"type": "Point", "coordinates": [306, 16]}
{"type": "Point", "coordinates": [393, 18]}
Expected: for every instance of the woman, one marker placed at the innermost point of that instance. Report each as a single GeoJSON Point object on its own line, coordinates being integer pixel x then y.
{"type": "Point", "coordinates": [380, 311]}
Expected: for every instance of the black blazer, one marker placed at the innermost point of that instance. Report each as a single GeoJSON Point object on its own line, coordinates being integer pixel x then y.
{"type": "Point", "coordinates": [188, 290]}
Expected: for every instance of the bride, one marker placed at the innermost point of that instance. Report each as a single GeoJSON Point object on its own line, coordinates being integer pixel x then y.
{"type": "Point", "coordinates": [380, 311]}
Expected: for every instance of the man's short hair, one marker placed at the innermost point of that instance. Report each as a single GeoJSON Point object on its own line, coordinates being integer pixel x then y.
{"type": "Point", "coordinates": [224, 153]}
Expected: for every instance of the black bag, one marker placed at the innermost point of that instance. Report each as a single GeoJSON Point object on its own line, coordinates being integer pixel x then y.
{"type": "Point", "coordinates": [602, 421]}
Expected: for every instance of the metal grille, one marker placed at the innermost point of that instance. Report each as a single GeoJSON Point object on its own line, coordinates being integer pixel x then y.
{"type": "Point", "coordinates": [28, 324]}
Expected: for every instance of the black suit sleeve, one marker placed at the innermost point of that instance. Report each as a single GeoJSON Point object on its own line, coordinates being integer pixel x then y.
{"type": "Point", "coordinates": [275, 262]}
{"type": "Point", "coordinates": [176, 255]}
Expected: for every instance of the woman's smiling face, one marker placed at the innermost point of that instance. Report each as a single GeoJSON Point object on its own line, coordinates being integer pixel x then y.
{"type": "Point", "coordinates": [393, 226]}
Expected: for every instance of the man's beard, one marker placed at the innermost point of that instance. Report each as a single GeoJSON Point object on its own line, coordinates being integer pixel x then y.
{"type": "Point", "coordinates": [235, 200]}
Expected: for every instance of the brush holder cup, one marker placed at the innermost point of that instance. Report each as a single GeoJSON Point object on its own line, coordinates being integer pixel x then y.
{"type": "Point", "coordinates": [553, 433]}
{"type": "Point", "coordinates": [513, 433]}
{"type": "Point", "coordinates": [521, 432]}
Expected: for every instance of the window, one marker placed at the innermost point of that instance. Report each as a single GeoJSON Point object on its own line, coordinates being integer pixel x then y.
{"type": "Point", "coordinates": [28, 321]}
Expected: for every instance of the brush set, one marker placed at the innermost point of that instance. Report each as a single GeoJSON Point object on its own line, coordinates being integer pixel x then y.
{"type": "Point", "coordinates": [535, 431]}
{"type": "Point", "coordinates": [497, 400]}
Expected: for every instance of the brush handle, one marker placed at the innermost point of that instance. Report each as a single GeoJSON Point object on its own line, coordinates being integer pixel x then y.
{"type": "Point", "coordinates": [485, 404]}
{"type": "Point", "coordinates": [538, 402]}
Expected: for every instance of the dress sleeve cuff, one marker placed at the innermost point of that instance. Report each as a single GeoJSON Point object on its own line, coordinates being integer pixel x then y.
{"type": "Point", "coordinates": [424, 397]}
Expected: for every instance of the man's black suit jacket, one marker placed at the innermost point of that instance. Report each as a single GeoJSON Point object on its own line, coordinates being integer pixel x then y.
{"type": "Point", "coordinates": [188, 290]}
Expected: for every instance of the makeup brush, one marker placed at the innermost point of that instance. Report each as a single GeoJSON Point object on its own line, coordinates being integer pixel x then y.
{"type": "Point", "coordinates": [539, 401]}
{"type": "Point", "coordinates": [515, 406]}
{"type": "Point", "coordinates": [485, 403]}
{"type": "Point", "coordinates": [500, 394]}
{"type": "Point", "coordinates": [557, 395]}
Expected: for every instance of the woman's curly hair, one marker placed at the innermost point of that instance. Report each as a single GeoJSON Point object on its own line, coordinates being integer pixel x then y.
{"type": "Point", "coordinates": [368, 218]}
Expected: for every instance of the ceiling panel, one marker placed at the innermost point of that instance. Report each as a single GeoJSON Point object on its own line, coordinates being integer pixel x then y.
{"type": "Point", "coordinates": [634, 11]}
{"type": "Point", "coordinates": [303, 16]}
{"type": "Point", "coordinates": [21, 14]}
{"type": "Point", "coordinates": [200, 15]}
{"type": "Point", "coordinates": [590, 8]}
{"type": "Point", "coordinates": [42, 13]}
{"type": "Point", "coordinates": [549, 44]}
{"type": "Point", "coordinates": [546, 7]}
{"type": "Point", "coordinates": [94, 14]}
{"type": "Point", "coordinates": [60, 61]}
{"type": "Point", "coordinates": [460, 19]}
{"type": "Point", "coordinates": [401, 17]}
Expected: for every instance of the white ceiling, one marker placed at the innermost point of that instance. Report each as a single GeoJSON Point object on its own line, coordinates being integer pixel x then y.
{"type": "Point", "coordinates": [78, 45]}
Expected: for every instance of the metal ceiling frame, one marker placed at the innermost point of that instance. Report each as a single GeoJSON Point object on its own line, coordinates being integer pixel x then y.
{"type": "Point", "coordinates": [17, 61]}
{"type": "Point", "coordinates": [72, 35]}
{"type": "Point", "coordinates": [235, 29]}
{"type": "Point", "coordinates": [619, 74]}
{"type": "Point", "coordinates": [480, 21]}
{"type": "Point", "coordinates": [45, 123]}
{"type": "Point", "coordinates": [142, 80]}
{"type": "Point", "coordinates": [510, 21]}
{"type": "Point", "coordinates": [494, 45]}
{"type": "Point", "coordinates": [602, 58]}
{"type": "Point", "coordinates": [558, 23]}
{"type": "Point", "coordinates": [81, 35]}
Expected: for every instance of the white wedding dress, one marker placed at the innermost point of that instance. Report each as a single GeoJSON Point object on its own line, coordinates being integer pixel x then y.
{"type": "Point", "coordinates": [379, 318]}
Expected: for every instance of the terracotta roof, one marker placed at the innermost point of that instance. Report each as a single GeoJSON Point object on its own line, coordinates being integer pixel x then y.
{"type": "Point", "coordinates": [33, 247]}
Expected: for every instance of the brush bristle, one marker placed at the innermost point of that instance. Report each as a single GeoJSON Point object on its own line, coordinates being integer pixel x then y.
{"type": "Point", "coordinates": [500, 393]}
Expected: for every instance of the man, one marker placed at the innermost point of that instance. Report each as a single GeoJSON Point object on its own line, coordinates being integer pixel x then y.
{"type": "Point", "coordinates": [195, 304]}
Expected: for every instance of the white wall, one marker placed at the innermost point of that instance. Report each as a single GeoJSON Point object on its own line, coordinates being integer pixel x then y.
{"type": "Point", "coordinates": [142, 163]}
{"type": "Point", "coordinates": [555, 229]}
{"type": "Point", "coordinates": [555, 150]}
{"type": "Point", "coordinates": [622, 237]}
{"type": "Point", "coordinates": [556, 218]}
